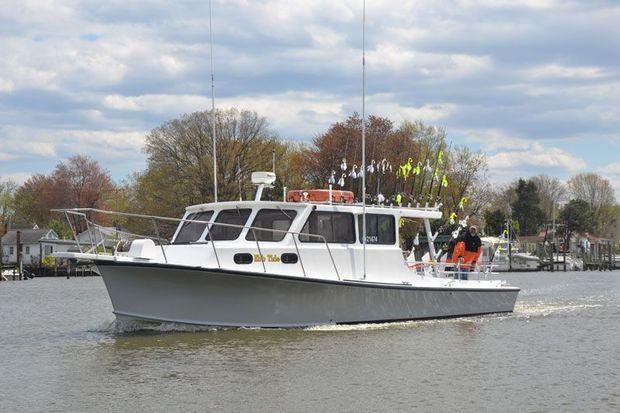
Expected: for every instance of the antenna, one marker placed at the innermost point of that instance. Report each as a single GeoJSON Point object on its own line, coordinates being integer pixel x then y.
{"type": "Point", "coordinates": [364, 139]}
{"type": "Point", "coordinates": [213, 107]}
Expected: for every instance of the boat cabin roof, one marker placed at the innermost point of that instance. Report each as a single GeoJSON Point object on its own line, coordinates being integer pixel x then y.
{"type": "Point", "coordinates": [404, 212]}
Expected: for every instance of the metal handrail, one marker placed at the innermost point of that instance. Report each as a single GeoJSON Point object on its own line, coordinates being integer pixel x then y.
{"type": "Point", "coordinates": [217, 258]}
{"type": "Point", "coordinates": [81, 212]}
{"type": "Point", "coordinates": [439, 267]}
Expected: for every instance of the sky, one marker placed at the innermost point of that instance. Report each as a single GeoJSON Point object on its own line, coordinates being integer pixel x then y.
{"type": "Point", "coordinates": [535, 84]}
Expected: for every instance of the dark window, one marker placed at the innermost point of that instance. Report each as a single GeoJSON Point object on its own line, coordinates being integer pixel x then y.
{"type": "Point", "coordinates": [11, 250]}
{"type": "Point", "coordinates": [243, 258]}
{"type": "Point", "coordinates": [289, 258]}
{"type": "Point", "coordinates": [336, 227]}
{"type": "Point", "coordinates": [231, 217]}
{"type": "Point", "coordinates": [27, 250]}
{"type": "Point", "coordinates": [191, 231]}
{"type": "Point", "coordinates": [380, 229]}
{"type": "Point", "coordinates": [278, 219]}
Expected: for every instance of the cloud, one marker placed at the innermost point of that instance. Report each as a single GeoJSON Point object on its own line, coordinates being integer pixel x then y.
{"type": "Point", "coordinates": [559, 71]}
{"type": "Point", "coordinates": [6, 156]}
{"type": "Point", "coordinates": [495, 139]}
{"type": "Point", "coordinates": [537, 155]}
{"type": "Point", "coordinates": [522, 80]}
{"type": "Point", "coordinates": [17, 177]}
{"type": "Point", "coordinates": [611, 171]}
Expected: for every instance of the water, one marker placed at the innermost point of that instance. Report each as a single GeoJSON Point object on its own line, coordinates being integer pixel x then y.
{"type": "Point", "coordinates": [61, 350]}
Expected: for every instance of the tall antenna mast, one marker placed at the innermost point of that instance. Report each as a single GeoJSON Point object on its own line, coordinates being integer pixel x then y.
{"type": "Point", "coordinates": [213, 107]}
{"type": "Point", "coordinates": [364, 139]}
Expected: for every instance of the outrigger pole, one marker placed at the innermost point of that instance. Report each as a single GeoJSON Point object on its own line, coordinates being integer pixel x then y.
{"type": "Point", "coordinates": [213, 107]}
{"type": "Point", "coordinates": [364, 139]}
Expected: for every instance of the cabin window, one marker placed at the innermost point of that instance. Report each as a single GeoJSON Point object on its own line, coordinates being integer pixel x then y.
{"type": "Point", "coordinates": [191, 231]}
{"type": "Point", "coordinates": [243, 258]}
{"type": "Point", "coordinates": [289, 258]}
{"type": "Point", "coordinates": [336, 227]}
{"type": "Point", "coordinates": [380, 229]}
{"type": "Point", "coordinates": [231, 217]}
{"type": "Point", "coordinates": [277, 219]}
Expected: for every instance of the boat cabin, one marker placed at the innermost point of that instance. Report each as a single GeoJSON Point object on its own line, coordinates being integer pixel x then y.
{"type": "Point", "coordinates": [296, 238]}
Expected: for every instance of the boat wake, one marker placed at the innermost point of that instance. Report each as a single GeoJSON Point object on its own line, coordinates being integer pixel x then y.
{"type": "Point", "coordinates": [526, 311]}
{"type": "Point", "coordinates": [136, 326]}
{"type": "Point", "coordinates": [542, 308]}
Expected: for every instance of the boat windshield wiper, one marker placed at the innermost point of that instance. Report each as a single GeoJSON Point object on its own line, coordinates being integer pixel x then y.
{"type": "Point", "coordinates": [285, 214]}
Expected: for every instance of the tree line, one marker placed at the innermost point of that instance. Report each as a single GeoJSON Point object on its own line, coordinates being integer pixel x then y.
{"type": "Point", "coordinates": [585, 203]}
{"type": "Point", "coordinates": [409, 164]}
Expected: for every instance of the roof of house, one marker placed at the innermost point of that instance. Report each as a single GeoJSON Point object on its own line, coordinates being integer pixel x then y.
{"type": "Point", "coordinates": [60, 241]}
{"type": "Point", "coordinates": [28, 236]}
{"type": "Point", "coordinates": [590, 237]}
{"type": "Point", "coordinates": [534, 238]}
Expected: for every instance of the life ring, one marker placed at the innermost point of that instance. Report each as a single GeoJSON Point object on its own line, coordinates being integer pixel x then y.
{"type": "Point", "coordinates": [416, 266]}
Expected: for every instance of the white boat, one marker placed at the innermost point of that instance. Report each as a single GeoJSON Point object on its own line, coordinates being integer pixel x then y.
{"type": "Point", "coordinates": [495, 253]}
{"type": "Point", "coordinates": [285, 264]}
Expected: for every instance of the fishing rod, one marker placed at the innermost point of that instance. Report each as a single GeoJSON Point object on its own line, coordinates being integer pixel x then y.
{"type": "Point", "coordinates": [416, 171]}
{"type": "Point", "coordinates": [425, 163]}
{"type": "Point", "coordinates": [438, 160]}
{"type": "Point", "coordinates": [444, 179]}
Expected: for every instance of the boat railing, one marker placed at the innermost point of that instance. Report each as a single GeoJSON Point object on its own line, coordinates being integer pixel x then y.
{"type": "Point", "coordinates": [417, 206]}
{"type": "Point", "coordinates": [97, 244]}
{"type": "Point", "coordinates": [452, 270]}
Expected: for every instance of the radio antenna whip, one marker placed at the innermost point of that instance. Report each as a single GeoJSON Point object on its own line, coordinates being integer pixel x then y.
{"type": "Point", "coordinates": [364, 139]}
{"type": "Point", "coordinates": [213, 107]}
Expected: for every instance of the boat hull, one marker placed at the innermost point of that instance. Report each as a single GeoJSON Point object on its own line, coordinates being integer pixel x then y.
{"type": "Point", "coordinates": [235, 299]}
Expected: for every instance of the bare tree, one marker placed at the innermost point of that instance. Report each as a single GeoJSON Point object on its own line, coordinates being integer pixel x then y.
{"type": "Point", "coordinates": [598, 193]}
{"type": "Point", "coordinates": [551, 192]}
{"type": "Point", "coordinates": [505, 196]}
{"type": "Point", "coordinates": [468, 172]}
{"type": "Point", "coordinates": [180, 160]}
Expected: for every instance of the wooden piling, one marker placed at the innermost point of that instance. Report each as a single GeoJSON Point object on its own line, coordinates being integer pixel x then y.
{"type": "Point", "coordinates": [18, 245]}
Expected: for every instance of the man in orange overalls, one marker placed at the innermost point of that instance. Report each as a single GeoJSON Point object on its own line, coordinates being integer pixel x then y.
{"type": "Point", "coordinates": [467, 251]}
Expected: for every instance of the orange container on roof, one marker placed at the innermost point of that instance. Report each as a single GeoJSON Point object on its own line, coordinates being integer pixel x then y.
{"type": "Point", "coordinates": [319, 195]}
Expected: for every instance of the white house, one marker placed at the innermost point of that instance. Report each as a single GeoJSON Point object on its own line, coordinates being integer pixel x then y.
{"type": "Point", "coordinates": [36, 244]}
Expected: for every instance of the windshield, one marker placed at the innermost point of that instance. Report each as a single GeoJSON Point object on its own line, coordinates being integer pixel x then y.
{"type": "Point", "coordinates": [274, 219]}
{"type": "Point", "coordinates": [236, 217]}
{"type": "Point", "coordinates": [191, 231]}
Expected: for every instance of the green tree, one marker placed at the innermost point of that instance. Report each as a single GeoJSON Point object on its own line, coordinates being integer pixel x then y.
{"type": "Point", "coordinates": [495, 220]}
{"type": "Point", "coordinates": [526, 208]}
{"type": "Point", "coordinates": [577, 216]}
{"type": "Point", "coordinates": [61, 228]}
{"type": "Point", "coordinates": [7, 199]}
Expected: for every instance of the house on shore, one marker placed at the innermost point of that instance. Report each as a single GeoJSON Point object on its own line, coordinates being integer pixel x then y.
{"type": "Point", "coordinates": [36, 244]}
